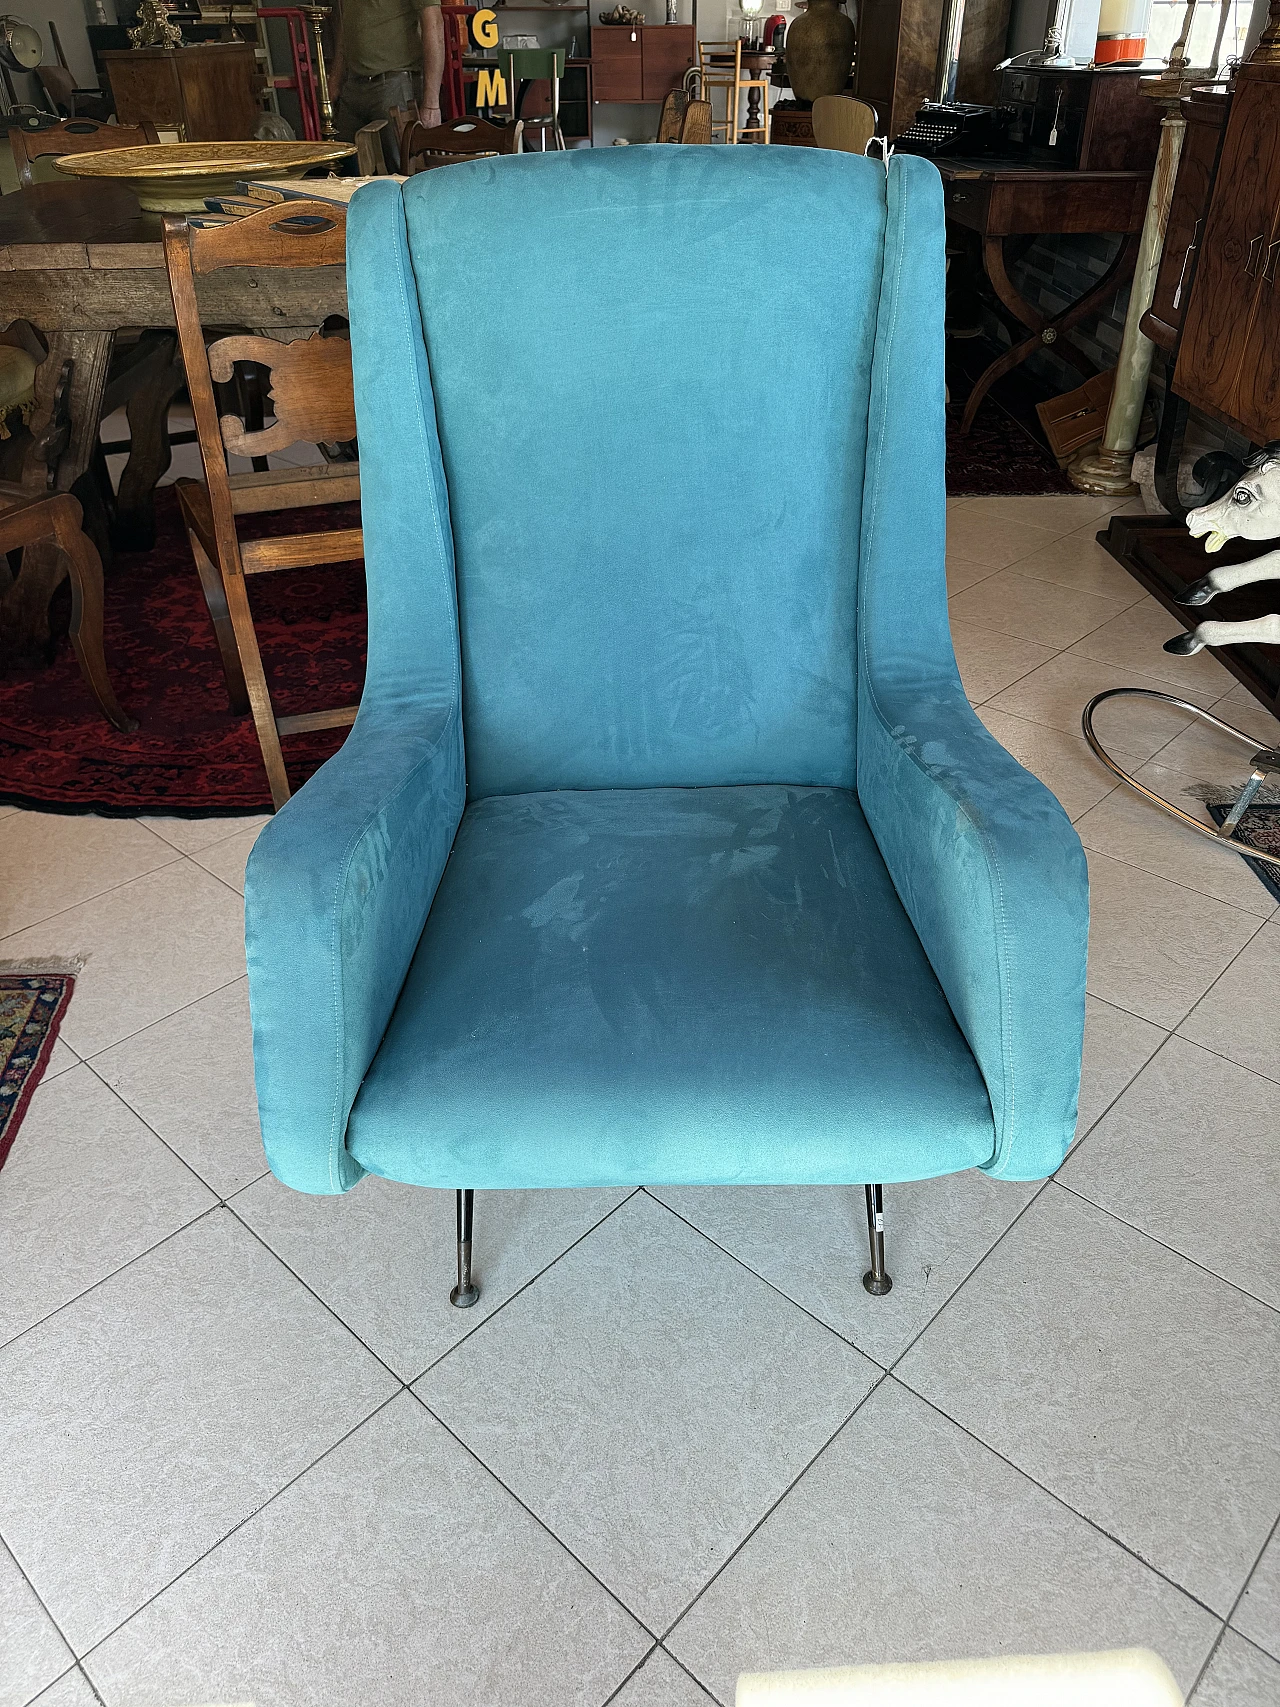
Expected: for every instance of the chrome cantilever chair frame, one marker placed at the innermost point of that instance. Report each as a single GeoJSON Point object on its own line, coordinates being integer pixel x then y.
{"type": "Point", "coordinates": [1265, 762]}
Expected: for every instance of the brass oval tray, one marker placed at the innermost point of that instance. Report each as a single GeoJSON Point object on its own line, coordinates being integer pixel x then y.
{"type": "Point", "coordinates": [176, 177]}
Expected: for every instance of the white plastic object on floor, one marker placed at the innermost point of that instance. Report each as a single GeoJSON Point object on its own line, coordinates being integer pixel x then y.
{"type": "Point", "coordinates": [1122, 1677]}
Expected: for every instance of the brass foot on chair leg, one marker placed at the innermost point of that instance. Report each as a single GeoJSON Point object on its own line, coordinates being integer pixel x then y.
{"type": "Point", "coordinates": [466, 1292]}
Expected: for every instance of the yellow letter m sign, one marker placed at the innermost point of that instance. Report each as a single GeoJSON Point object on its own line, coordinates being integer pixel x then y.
{"type": "Point", "coordinates": [491, 89]}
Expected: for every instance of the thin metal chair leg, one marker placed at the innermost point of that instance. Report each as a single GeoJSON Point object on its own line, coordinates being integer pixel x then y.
{"type": "Point", "coordinates": [465, 1292]}
{"type": "Point", "coordinates": [876, 1281]}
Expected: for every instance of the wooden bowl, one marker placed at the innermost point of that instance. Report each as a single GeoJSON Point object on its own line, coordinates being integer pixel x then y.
{"type": "Point", "coordinates": [176, 177]}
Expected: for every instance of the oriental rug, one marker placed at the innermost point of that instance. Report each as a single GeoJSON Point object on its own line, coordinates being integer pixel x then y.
{"type": "Point", "coordinates": [31, 1008]}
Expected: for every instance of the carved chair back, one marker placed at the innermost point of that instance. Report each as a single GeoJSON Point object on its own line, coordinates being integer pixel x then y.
{"type": "Point", "coordinates": [460, 139]}
{"type": "Point", "coordinates": [73, 136]}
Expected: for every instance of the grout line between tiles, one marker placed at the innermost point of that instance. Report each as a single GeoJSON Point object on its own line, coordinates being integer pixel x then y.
{"type": "Point", "coordinates": [1173, 1250]}
{"type": "Point", "coordinates": [151, 1024]}
{"type": "Point", "coordinates": [1058, 1499]}
{"type": "Point", "coordinates": [756, 1274]}
{"type": "Point", "coordinates": [541, 1522]}
{"type": "Point", "coordinates": [110, 889]}
{"type": "Point", "coordinates": [637, 1667]}
{"type": "Point", "coordinates": [498, 1308]}
{"type": "Point", "coordinates": [39, 1599]}
{"type": "Point", "coordinates": [697, 1681]}
{"type": "Point", "coordinates": [238, 1525]}
{"type": "Point", "coordinates": [210, 1209]}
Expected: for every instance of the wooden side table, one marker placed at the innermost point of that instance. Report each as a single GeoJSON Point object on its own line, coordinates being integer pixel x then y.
{"type": "Point", "coordinates": [997, 201]}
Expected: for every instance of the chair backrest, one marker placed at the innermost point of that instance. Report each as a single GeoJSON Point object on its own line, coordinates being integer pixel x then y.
{"type": "Point", "coordinates": [696, 124]}
{"type": "Point", "coordinates": [74, 136]}
{"type": "Point", "coordinates": [534, 64]}
{"type": "Point", "coordinates": [459, 139]}
{"type": "Point", "coordinates": [720, 61]}
{"type": "Point", "coordinates": [840, 121]}
{"type": "Point", "coordinates": [672, 116]}
{"type": "Point", "coordinates": [641, 602]}
{"type": "Point", "coordinates": [310, 378]}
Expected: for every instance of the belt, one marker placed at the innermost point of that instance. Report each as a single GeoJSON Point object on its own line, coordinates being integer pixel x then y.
{"type": "Point", "coordinates": [378, 76]}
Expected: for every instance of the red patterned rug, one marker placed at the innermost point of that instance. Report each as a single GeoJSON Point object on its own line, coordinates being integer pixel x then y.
{"type": "Point", "coordinates": [31, 1008]}
{"type": "Point", "coordinates": [189, 757]}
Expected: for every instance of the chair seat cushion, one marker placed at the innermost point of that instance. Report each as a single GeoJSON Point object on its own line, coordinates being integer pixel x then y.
{"type": "Point", "coordinates": [713, 985]}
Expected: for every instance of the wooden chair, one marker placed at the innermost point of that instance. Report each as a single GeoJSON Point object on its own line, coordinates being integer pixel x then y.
{"type": "Point", "coordinates": [840, 121]}
{"type": "Point", "coordinates": [696, 124]}
{"type": "Point", "coordinates": [460, 139]}
{"type": "Point", "coordinates": [371, 153]}
{"type": "Point", "coordinates": [672, 116]}
{"type": "Point", "coordinates": [54, 519]}
{"type": "Point", "coordinates": [73, 136]}
{"type": "Point", "coordinates": [720, 67]}
{"type": "Point", "coordinates": [311, 388]}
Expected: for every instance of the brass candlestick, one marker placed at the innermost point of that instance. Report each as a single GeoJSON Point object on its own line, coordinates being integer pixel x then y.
{"type": "Point", "coordinates": [318, 14]}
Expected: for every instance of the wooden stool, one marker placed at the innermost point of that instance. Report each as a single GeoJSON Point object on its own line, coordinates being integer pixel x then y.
{"type": "Point", "coordinates": [720, 67]}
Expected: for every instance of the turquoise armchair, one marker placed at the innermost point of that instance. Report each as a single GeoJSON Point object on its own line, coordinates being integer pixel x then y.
{"type": "Point", "coordinates": [665, 847]}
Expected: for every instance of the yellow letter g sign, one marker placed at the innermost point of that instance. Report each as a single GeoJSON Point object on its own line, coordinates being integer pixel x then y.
{"type": "Point", "coordinates": [484, 28]}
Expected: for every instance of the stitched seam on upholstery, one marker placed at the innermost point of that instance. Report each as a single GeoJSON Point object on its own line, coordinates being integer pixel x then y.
{"type": "Point", "coordinates": [995, 878]}
{"type": "Point", "coordinates": [337, 1139]}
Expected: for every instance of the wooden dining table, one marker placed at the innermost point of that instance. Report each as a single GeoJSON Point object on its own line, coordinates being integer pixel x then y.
{"type": "Point", "coordinates": [82, 263]}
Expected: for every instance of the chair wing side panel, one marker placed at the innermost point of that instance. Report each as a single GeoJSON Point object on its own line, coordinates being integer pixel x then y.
{"type": "Point", "coordinates": [983, 857]}
{"type": "Point", "coordinates": [340, 882]}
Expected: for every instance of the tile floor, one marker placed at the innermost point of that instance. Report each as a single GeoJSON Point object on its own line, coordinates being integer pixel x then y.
{"type": "Point", "coordinates": [251, 1454]}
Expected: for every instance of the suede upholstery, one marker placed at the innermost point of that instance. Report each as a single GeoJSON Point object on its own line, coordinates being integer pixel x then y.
{"type": "Point", "coordinates": [665, 846]}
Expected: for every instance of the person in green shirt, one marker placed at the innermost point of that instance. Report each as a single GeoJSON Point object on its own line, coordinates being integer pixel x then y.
{"type": "Point", "coordinates": [390, 53]}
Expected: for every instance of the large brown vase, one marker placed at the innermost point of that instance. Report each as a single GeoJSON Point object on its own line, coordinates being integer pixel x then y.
{"type": "Point", "coordinates": [820, 50]}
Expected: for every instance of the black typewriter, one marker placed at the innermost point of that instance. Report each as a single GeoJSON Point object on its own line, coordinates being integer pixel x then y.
{"type": "Point", "coordinates": [953, 127]}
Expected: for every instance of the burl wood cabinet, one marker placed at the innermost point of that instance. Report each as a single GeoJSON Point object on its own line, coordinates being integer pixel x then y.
{"type": "Point", "coordinates": [1229, 358]}
{"type": "Point", "coordinates": [208, 91]}
{"type": "Point", "coordinates": [641, 62]}
{"type": "Point", "coordinates": [897, 63]}
{"type": "Point", "coordinates": [1205, 112]}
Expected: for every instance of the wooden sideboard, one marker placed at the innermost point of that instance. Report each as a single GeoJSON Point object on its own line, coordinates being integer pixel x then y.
{"type": "Point", "coordinates": [641, 62]}
{"type": "Point", "coordinates": [1205, 111]}
{"type": "Point", "coordinates": [208, 91]}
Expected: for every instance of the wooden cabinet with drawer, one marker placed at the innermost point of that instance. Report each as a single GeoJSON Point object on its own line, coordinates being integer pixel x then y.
{"type": "Point", "coordinates": [1229, 358]}
{"type": "Point", "coordinates": [208, 91]}
{"type": "Point", "coordinates": [641, 62]}
{"type": "Point", "coordinates": [1205, 112]}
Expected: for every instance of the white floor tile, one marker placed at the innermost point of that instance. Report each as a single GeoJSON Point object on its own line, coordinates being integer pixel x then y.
{"type": "Point", "coordinates": [32, 1653]}
{"type": "Point", "coordinates": [1155, 947]}
{"type": "Point", "coordinates": [226, 860]}
{"type": "Point", "coordinates": [1117, 1045]}
{"type": "Point", "coordinates": [979, 535]}
{"type": "Point", "coordinates": [189, 835]}
{"type": "Point", "coordinates": [156, 1412]}
{"type": "Point", "coordinates": [988, 662]}
{"type": "Point", "coordinates": [1237, 1016]}
{"type": "Point", "coordinates": [811, 1243]}
{"type": "Point", "coordinates": [52, 860]}
{"type": "Point", "coordinates": [1076, 560]}
{"type": "Point", "coordinates": [397, 1571]}
{"type": "Point", "coordinates": [86, 1189]}
{"type": "Point", "coordinates": [71, 1690]}
{"type": "Point", "coordinates": [1239, 1675]}
{"type": "Point", "coordinates": [1139, 1389]}
{"type": "Point", "coordinates": [1057, 692]}
{"type": "Point", "coordinates": [909, 1540]}
{"type": "Point", "coordinates": [1136, 639]}
{"type": "Point", "coordinates": [1189, 1155]}
{"type": "Point", "coordinates": [1059, 513]}
{"type": "Point", "coordinates": [384, 1256]}
{"type": "Point", "coordinates": [1012, 603]}
{"type": "Point", "coordinates": [190, 1077]}
{"type": "Point", "coordinates": [149, 947]}
{"type": "Point", "coordinates": [648, 1400]}
{"type": "Point", "coordinates": [1131, 829]}
{"type": "Point", "coordinates": [1258, 1614]}
{"type": "Point", "coordinates": [661, 1683]}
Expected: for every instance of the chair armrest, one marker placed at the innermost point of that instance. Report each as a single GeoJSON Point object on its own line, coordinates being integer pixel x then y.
{"type": "Point", "coordinates": [983, 858]}
{"type": "Point", "coordinates": [994, 880]}
{"type": "Point", "coordinates": [337, 890]}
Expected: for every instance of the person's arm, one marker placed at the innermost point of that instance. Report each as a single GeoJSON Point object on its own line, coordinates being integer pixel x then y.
{"type": "Point", "coordinates": [432, 24]}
